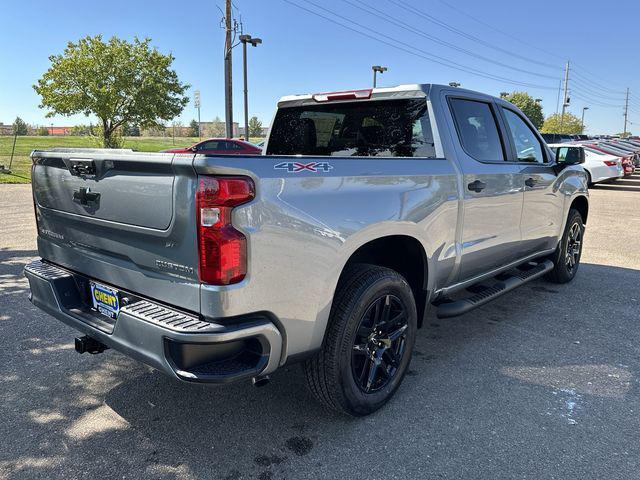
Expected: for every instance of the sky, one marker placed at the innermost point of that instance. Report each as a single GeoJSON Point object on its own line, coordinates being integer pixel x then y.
{"type": "Point", "coordinates": [420, 41]}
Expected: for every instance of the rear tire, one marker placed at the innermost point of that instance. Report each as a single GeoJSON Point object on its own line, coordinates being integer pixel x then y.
{"type": "Point", "coordinates": [566, 258]}
{"type": "Point", "coordinates": [368, 342]}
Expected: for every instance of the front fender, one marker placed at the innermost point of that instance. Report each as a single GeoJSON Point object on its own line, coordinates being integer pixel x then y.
{"type": "Point", "coordinates": [573, 185]}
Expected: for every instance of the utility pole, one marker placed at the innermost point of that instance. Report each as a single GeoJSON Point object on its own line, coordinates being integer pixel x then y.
{"type": "Point", "coordinates": [228, 87]}
{"type": "Point", "coordinates": [565, 101]}
{"type": "Point", "coordinates": [626, 113]}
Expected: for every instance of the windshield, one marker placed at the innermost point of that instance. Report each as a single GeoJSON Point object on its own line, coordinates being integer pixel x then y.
{"type": "Point", "coordinates": [383, 128]}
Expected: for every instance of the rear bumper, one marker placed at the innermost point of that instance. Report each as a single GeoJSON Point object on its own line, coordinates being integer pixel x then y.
{"type": "Point", "coordinates": [177, 343]}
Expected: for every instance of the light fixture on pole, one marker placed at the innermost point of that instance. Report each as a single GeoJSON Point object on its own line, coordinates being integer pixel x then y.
{"type": "Point", "coordinates": [253, 42]}
{"type": "Point", "coordinates": [377, 69]}
{"type": "Point", "coordinates": [584, 109]}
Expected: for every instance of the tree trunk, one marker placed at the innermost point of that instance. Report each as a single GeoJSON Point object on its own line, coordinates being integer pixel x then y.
{"type": "Point", "coordinates": [109, 135]}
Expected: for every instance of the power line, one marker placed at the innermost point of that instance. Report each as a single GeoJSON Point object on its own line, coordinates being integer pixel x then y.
{"type": "Point", "coordinates": [594, 102]}
{"type": "Point", "coordinates": [595, 93]}
{"type": "Point", "coordinates": [495, 29]}
{"type": "Point", "coordinates": [596, 84]}
{"type": "Point", "coordinates": [407, 48]}
{"type": "Point", "coordinates": [582, 93]}
{"type": "Point", "coordinates": [405, 26]}
{"type": "Point", "coordinates": [531, 45]}
{"type": "Point", "coordinates": [633, 100]}
{"type": "Point", "coordinates": [432, 19]}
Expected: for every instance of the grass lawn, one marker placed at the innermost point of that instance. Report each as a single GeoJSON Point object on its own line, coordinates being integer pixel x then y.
{"type": "Point", "coordinates": [21, 167]}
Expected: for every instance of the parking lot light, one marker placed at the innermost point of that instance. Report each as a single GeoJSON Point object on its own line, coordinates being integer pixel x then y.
{"type": "Point", "coordinates": [584, 109]}
{"type": "Point", "coordinates": [254, 42]}
{"type": "Point", "coordinates": [376, 69]}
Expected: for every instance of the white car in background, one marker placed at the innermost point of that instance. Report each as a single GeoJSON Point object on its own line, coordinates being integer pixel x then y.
{"type": "Point", "coordinates": [600, 167]}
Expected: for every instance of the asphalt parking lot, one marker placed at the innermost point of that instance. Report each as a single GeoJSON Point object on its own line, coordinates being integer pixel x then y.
{"type": "Point", "coordinates": [543, 383]}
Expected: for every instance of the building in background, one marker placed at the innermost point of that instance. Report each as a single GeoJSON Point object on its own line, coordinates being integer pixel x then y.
{"type": "Point", "coordinates": [263, 132]}
{"type": "Point", "coordinates": [6, 129]}
{"type": "Point", "coordinates": [59, 131]}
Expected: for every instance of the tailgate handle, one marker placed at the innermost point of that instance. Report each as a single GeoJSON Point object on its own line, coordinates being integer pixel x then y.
{"type": "Point", "coordinates": [85, 196]}
{"type": "Point", "coordinates": [82, 167]}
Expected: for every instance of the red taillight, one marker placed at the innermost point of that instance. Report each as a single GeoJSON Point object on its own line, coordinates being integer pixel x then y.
{"type": "Point", "coordinates": [222, 250]}
{"type": "Point", "coordinates": [610, 163]}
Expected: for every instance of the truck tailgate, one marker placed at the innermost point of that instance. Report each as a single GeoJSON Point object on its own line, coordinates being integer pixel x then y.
{"type": "Point", "coordinates": [123, 218]}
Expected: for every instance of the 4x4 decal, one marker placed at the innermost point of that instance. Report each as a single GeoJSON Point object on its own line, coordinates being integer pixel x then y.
{"type": "Point", "coordinates": [295, 167]}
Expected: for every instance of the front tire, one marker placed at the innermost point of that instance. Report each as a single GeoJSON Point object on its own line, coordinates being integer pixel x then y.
{"type": "Point", "coordinates": [566, 259]}
{"type": "Point", "coordinates": [368, 343]}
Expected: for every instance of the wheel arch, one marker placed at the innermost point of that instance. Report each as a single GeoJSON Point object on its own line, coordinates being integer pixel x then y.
{"type": "Point", "coordinates": [581, 204]}
{"type": "Point", "coordinates": [401, 253]}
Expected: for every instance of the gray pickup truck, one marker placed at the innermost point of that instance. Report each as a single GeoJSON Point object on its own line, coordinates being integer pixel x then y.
{"type": "Point", "coordinates": [368, 208]}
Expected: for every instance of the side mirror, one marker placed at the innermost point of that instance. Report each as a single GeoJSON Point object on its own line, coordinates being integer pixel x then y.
{"type": "Point", "coordinates": [194, 148]}
{"type": "Point", "coordinates": [569, 155]}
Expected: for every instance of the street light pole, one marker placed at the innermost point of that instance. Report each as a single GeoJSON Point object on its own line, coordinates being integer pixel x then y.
{"type": "Point", "coordinates": [246, 94]}
{"type": "Point", "coordinates": [254, 42]}
{"type": "Point", "coordinates": [584, 109]}
{"type": "Point", "coordinates": [565, 101]}
{"type": "Point", "coordinates": [376, 69]}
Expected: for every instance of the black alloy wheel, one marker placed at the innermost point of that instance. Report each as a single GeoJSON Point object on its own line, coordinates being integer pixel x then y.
{"type": "Point", "coordinates": [379, 344]}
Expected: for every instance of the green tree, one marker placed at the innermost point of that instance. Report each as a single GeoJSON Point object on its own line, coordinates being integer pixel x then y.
{"type": "Point", "coordinates": [216, 129]}
{"type": "Point", "coordinates": [624, 134]}
{"type": "Point", "coordinates": [81, 130]}
{"type": "Point", "coordinates": [43, 132]}
{"type": "Point", "coordinates": [556, 123]}
{"type": "Point", "coordinates": [528, 105]}
{"type": "Point", "coordinates": [131, 130]}
{"type": "Point", "coordinates": [20, 127]}
{"type": "Point", "coordinates": [117, 81]}
{"type": "Point", "coordinates": [255, 127]}
{"type": "Point", "coordinates": [194, 128]}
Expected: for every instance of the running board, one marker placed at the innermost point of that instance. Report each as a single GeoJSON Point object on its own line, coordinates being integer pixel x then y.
{"type": "Point", "coordinates": [484, 295]}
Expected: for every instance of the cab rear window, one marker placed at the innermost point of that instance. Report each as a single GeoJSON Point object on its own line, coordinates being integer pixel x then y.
{"type": "Point", "coordinates": [379, 128]}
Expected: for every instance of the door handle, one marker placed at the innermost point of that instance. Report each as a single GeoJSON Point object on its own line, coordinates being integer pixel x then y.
{"type": "Point", "coordinates": [530, 182]}
{"type": "Point", "coordinates": [476, 186]}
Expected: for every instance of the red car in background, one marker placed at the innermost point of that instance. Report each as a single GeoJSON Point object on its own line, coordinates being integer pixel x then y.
{"type": "Point", "coordinates": [627, 160]}
{"type": "Point", "coordinates": [220, 146]}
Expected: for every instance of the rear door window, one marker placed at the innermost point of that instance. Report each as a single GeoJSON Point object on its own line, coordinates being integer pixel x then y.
{"type": "Point", "coordinates": [231, 145]}
{"type": "Point", "coordinates": [378, 128]}
{"type": "Point", "coordinates": [477, 129]}
{"type": "Point", "coordinates": [210, 145]}
{"type": "Point", "coordinates": [528, 147]}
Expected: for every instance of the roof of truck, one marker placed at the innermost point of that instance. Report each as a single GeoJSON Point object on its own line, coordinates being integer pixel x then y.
{"type": "Point", "coordinates": [399, 91]}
